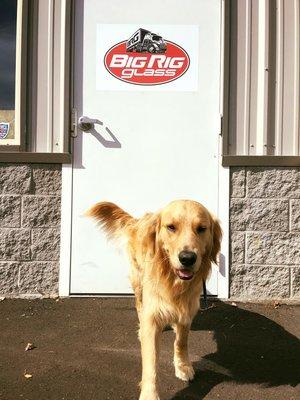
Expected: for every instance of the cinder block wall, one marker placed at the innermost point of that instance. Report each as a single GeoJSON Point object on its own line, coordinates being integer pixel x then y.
{"type": "Point", "coordinates": [265, 233]}
{"type": "Point", "coordinates": [29, 229]}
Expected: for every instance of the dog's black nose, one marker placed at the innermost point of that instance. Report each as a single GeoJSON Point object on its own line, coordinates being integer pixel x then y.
{"type": "Point", "coordinates": [187, 258]}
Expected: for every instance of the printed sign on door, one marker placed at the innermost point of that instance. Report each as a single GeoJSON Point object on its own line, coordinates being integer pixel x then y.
{"type": "Point", "coordinates": [156, 57]}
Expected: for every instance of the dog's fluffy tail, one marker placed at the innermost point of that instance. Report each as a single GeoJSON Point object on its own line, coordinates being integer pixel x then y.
{"type": "Point", "coordinates": [115, 221]}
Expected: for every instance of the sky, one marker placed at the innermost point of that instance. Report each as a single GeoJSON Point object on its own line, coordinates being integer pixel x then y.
{"type": "Point", "coordinates": [8, 13]}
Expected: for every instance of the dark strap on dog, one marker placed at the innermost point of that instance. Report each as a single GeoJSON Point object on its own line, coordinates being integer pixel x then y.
{"type": "Point", "coordinates": [204, 293]}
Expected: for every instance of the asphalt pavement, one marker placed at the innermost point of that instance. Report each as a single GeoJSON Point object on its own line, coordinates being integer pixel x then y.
{"type": "Point", "coordinates": [87, 349]}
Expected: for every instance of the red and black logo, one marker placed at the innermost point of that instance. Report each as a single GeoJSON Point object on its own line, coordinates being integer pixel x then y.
{"type": "Point", "coordinates": [146, 59]}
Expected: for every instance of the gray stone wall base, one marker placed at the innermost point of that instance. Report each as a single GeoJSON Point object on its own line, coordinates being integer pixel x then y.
{"type": "Point", "coordinates": [265, 233]}
{"type": "Point", "coordinates": [30, 213]}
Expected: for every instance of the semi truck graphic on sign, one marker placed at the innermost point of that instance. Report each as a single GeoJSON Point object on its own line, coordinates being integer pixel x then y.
{"type": "Point", "coordinates": [144, 41]}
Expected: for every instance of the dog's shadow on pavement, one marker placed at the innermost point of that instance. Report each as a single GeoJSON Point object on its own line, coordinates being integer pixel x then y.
{"type": "Point", "coordinates": [250, 349]}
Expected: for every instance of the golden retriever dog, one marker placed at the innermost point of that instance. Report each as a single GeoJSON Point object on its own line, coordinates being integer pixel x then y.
{"type": "Point", "coordinates": [171, 252]}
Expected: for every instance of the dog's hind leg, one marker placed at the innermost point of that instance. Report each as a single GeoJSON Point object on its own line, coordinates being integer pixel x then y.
{"type": "Point", "coordinates": [183, 367]}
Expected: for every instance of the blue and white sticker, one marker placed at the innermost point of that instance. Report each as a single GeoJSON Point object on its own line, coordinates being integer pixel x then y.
{"type": "Point", "coordinates": [4, 129]}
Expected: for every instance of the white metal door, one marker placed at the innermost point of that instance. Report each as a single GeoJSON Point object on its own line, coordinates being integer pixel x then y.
{"type": "Point", "coordinates": [161, 140]}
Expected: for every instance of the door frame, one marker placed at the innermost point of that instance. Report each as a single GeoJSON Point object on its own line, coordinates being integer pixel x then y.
{"type": "Point", "coordinates": [223, 199]}
{"type": "Point", "coordinates": [66, 231]}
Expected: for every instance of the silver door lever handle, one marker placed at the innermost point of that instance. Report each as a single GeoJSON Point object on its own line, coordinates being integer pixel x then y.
{"type": "Point", "coordinates": [86, 123]}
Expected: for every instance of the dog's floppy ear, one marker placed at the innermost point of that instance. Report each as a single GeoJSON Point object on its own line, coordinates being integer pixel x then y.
{"type": "Point", "coordinates": [216, 240]}
{"type": "Point", "coordinates": [149, 230]}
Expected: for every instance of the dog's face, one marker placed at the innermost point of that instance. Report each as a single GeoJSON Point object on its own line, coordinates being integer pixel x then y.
{"type": "Point", "coordinates": [187, 233]}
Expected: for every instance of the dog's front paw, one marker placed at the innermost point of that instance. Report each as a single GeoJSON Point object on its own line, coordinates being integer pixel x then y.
{"type": "Point", "coordinates": [185, 372]}
{"type": "Point", "coordinates": [146, 395]}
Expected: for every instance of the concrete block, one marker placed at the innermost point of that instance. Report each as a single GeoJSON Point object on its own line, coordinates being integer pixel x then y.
{"type": "Point", "coordinates": [237, 182]}
{"type": "Point", "coordinates": [46, 178]}
{"type": "Point", "coordinates": [14, 244]}
{"type": "Point", "coordinates": [295, 215]}
{"type": "Point", "coordinates": [38, 277]}
{"type": "Point", "coordinates": [9, 278]}
{"type": "Point", "coordinates": [237, 243]}
{"type": "Point", "coordinates": [273, 248]}
{"type": "Point", "coordinates": [259, 282]}
{"type": "Point", "coordinates": [273, 182]}
{"type": "Point", "coordinates": [15, 178]}
{"type": "Point", "coordinates": [296, 282]}
{"type": "Point", "coordinates": [45, 244]}
{"type": "Point", "coordinates": [41, 211]}
{"type": "Point", "coordinates": [259, 215]}
{"type": "Point", "coordinates": [10, 211]}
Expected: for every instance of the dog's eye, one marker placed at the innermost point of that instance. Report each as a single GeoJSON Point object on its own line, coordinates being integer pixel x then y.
{"type": "Point", "coordinates": [201, 229]}
{"type": "Point", "coordinates": [171, 228]}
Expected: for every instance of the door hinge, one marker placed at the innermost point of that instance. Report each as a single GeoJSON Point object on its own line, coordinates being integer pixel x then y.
{"type": "Point", "coordinates": [221, 126]}
{"type": "Point", "coordinates": [73, 127]}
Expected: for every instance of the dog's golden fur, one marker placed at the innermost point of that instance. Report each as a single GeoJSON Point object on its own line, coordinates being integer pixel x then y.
{"type": "Point", "coordinates": [162, 296]}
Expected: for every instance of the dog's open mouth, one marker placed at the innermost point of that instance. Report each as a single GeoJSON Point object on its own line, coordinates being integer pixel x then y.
{"type": "Point", "coordinates": [185, 274]}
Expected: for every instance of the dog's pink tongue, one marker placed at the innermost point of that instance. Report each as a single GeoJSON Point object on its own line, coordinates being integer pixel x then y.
{"type": "Point", "coordinates": [185, 273]}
